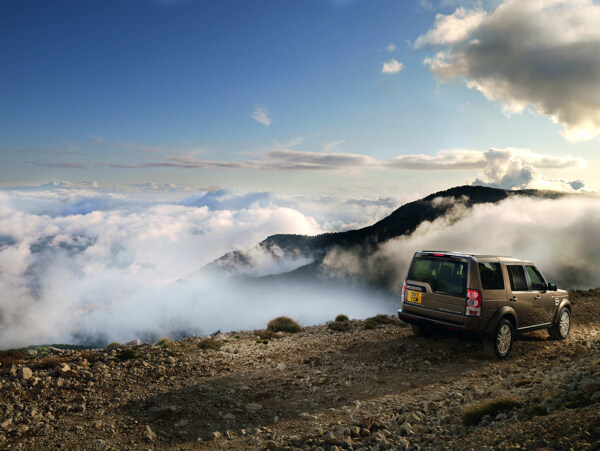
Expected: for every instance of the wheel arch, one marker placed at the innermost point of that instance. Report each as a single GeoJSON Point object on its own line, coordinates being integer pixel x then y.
{"type": "Point", "coordinates": [564, 304]}
{"type": "Point", "coordinates": [503, 312]}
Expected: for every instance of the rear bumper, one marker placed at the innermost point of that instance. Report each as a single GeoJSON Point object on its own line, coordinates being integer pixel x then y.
{"type": "Point", "coordinates": [472, 324]}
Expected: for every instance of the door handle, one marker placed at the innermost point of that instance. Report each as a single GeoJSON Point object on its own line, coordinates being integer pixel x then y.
{"type": "Point", "coordinates": [537, 298]}
{"type": "Point", "coordinates": [514, 299]}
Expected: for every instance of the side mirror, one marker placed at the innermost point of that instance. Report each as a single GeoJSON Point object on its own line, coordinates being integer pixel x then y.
{"type": "Point", "coordinates": [552, 287]}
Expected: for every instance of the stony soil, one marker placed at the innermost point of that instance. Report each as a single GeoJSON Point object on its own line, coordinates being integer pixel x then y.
{"type": "Point", "coordinates": [363, 389]}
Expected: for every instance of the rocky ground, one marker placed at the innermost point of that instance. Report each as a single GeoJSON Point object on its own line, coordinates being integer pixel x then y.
{"type": "Point", "coordinates": [380, 388]}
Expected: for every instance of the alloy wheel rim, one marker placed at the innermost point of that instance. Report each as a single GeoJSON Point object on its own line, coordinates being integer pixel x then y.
{"type": "Point", "coordinates": [504, 339]}
{"type": "Point", "coordinates": [563, 325]}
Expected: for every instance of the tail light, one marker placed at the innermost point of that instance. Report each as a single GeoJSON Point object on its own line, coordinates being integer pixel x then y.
{"type": "Point", "coordinates": [473, 303]}
{"type": "Point", "coordinates": [403, 291]}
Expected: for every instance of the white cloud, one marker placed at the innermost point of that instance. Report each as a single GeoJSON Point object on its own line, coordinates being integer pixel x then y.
{"type": "Point", "coordinates": [332, 145]}
{"type": "Point", "coordinates": [540, 54]}
{"type": "Point", "coordinates": [261, 114]}
{"type": "Point", "coordinates": [391, 47]}
{"type": "Point", "coordinates": [392, 66]}
{"type": "Point", "coordinates": [84, 272]}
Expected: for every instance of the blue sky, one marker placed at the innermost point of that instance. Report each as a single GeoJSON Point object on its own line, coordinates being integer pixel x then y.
{"type": "Point", "coordinates": [134, 91]}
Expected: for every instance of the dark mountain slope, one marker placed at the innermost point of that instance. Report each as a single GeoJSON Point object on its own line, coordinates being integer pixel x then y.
{"type": "Point", "coordinates": [402, 221]}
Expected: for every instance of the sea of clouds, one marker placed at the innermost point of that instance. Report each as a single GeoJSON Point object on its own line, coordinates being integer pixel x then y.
{"type": "Point", "coordinates": [80, 263]}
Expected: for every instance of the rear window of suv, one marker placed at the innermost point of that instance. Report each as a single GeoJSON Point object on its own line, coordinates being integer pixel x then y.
{"type": "Point", "coordinates": [444, 276]}
{"type": "Point", "coordinates": [491, 276]}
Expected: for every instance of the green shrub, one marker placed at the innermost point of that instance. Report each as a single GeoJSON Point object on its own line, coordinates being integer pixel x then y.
{"type": "Point", "coordinates": [166, 342]}
{"type": "Point", "coordinates": [340, 326]}
{"type": "Point", "coordinates": [283, 324]}
{"type": "Point", "coordinates": [374, 321]}
{"type": "Point", "coordinates": [265, 334]}
{"type": "Point", "coordinates": [113, 345]}
{"type": "Point", "coordinates": [209, 343]}
{"type": "Point", "coordinates": [473, 415]}
{"type": "Point", "coordinates": [341, 318]}
{"type": "Point", "coordinates": [265, 342]}
{"type": "Point", "coordinates": [127, 354]}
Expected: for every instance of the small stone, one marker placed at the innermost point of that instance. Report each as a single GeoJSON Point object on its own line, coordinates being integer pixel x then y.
{"type": "Point", "coordinates": [6, 423]}
{"type": "Point", "coordinates": [97, 423]}
{"type": "Point", "coordinates": [403, 444]}
{"type": "Point", "coordinates": [215, 435]}
{"type": "Point", "coordinates": [406, 428]}
{"type": "Point", "coordinates": [595, 397]}
{"type": "Point", "coordinates": [590, 386]}
{"type": "Point", "coordinates": [281, 366]}
{"type": "Point", "coordinates": [31, 352]}
{"type": "Point", "coordinates": [181, 424]}
{"type": "Point", "coordinates": [253, 407]}
{"type": "Point", "coordinates": [135, 342]}
{"type": "Point", "coordinates": [272, 445]}
{"type": "Point", "coordinates": [229, 416]}
{"type": "Point", "coordinates": [171, 360]}
{"type": "Point", "coordinates": [24, 373]}
{"type": "Point", "coordinates": [149, 434]}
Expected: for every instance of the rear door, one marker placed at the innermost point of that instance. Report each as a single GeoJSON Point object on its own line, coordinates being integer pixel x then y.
{"type": "Point", "coordinates": [438, 284]}
{"type": "Point", "coordinates": [543, 299]}
{"type": "Point", "coordinates": [520, 297]}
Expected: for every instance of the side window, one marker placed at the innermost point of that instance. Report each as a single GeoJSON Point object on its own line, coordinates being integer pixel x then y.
{"type": "Point", "coordinates": [537, 281]}
{"type": "Point", "coordinates": [516, 274]}
{"type": "Point", "coordinates": [491, 276]}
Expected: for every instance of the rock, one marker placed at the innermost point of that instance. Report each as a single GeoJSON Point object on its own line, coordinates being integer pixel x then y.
{"type": "Point", "coordinates": [215, 435]}
{"type": "Point", "coordinates": [6, 423]}
{"type": "Point", "coordinates": [406, 429]}
{"type": "Point", "coordinates": [149, 434]}
{"type": "Point", "coordinates": [56, 350]}
{"type": "Point", "coordinates": [12, 369]}
{"type": "Point", "coordinates": [31, 352]}
{"type": "Point", "coordinates": [271, 445]}
{"type": "Point", "coordinates": [229, 416]}
{"type": "Point", "coordinates": [24, 373]}
{"type": "Point", "coordinates": [253, 407]}
{"type": "Point", "coordinates": [96, 424]}
{"type": "Point", "coordinates": [590, 386]}
{"type": "Point", "coordinates": [281, 366]}
{"type": "Point", "coordinates": [403, 444]}
{"type": "Point", "coordinates": [330, 439]}
{"type": "Point", "coordinates": [181, 423]}
{"type": "Point", "coordinates": [135, 342]}
{"type": "Point", "coordinates": [170, 360]}
{"type": "Point", "coordinates": [595, 397]}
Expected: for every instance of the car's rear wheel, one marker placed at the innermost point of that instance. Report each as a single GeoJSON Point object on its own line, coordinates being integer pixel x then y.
{"type": "Point", "coordinates": [422, 331]}
{"type": "Point", "coordinates": [500, 343]}
{"type": "Point", "coordinates": [561, 328]}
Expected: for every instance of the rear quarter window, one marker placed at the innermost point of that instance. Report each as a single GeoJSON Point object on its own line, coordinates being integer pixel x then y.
{"type": "Point", "coordinates": [491, 276]}
{"type": "Point", "coordinates": [444, 276]}
{"type": "Point", "coordinates": [516, 274]}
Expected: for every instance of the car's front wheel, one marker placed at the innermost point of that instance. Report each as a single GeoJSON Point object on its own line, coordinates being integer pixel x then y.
{"type": "Point", "coordinates": [500, 343]}
{"type": "Point", "coordinates": [561, 328]}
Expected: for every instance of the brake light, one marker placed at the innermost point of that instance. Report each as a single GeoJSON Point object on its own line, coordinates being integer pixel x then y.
{"type": "Point", "coordinates": [439, 255]}
{"type": "Point", "coordinates": [403, 291]}
{"type": "Point", "coordinates": [473, 303]}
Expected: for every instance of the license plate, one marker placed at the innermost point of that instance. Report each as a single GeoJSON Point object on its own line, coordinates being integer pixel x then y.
{"type": "Point", "coordinates": [413, 296]}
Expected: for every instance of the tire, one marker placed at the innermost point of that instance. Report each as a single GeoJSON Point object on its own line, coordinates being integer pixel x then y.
{"type": "Point", "coordinates": [422, 331]}
{"type": "Point", "coordinates": [560, 330]}
{"type": "Point", "coordinates": [500, 343]}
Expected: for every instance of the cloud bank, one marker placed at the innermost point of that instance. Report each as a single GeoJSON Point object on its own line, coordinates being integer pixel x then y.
{"type": "Point", "coordinates": [83, 264]}
{"type": "Point", "coordinates": [543, 54]}
{"type": "Point", "coordinates": [504, 168]}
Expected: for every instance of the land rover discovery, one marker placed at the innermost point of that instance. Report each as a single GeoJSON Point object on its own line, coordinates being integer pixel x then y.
{"type": "Point", "coordinates": [494, 297]}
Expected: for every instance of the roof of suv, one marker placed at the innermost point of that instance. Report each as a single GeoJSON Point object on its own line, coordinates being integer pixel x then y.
{"type": "Point", "coordinates": [500, 258]}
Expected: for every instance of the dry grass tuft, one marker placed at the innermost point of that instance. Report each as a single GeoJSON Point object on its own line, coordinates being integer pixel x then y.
{"type": "Point", "coordinates": [209, 343]}
{"type": "Point", "coordinates": [473, 415]}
